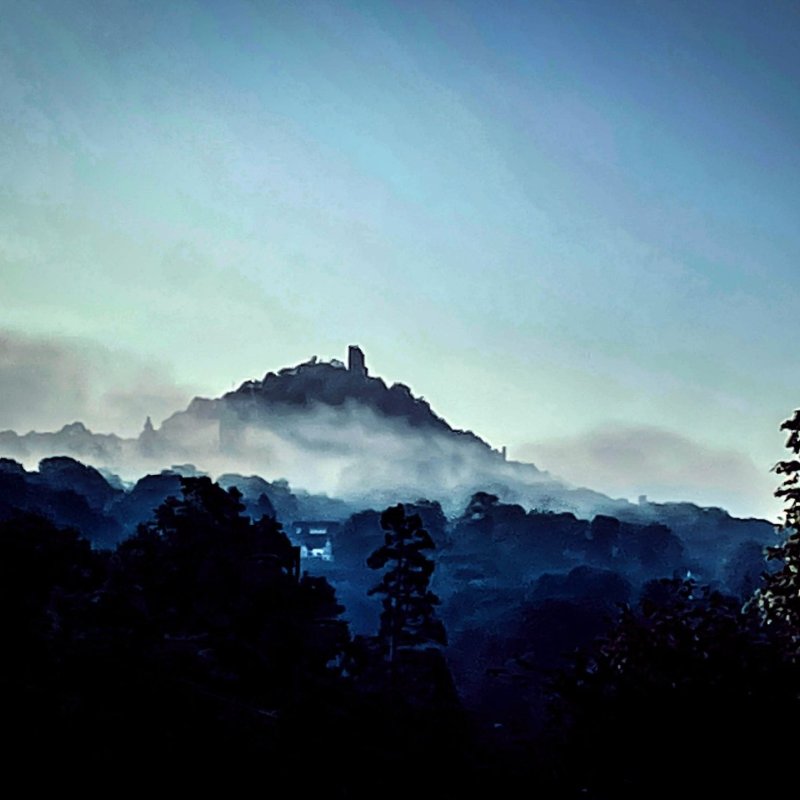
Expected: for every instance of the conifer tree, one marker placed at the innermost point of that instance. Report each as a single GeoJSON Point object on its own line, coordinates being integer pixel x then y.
{"type": "Point", "coordinates": [408, 620]}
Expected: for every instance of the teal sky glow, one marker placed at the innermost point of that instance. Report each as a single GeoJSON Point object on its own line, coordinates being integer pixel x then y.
{"type": "Point", "coordinates": [561, 222]}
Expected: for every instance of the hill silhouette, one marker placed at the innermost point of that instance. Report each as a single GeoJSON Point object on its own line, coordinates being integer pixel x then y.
{"type": "Point", "coordinates": [334, 429]}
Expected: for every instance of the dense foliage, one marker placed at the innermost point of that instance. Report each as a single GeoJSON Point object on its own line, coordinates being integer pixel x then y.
{"type": "Point", "coordinates": [196, 636]}
{"type": "Point", "coordinates": [690, 688]}
{"type": "Point", "coordinates": [778, 599]}
{"type": "Point", "coordinates": [195, 648]}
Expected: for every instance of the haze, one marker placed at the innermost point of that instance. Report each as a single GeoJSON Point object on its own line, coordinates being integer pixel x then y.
{"type": "Point", "coordinates": [562, 223]}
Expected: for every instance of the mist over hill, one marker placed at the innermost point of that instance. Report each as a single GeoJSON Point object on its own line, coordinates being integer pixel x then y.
{"type": "Point", "coordinates": [327, 428]}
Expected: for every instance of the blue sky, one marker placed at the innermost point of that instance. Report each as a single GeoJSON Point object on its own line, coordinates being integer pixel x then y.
{"type": "Point", "coordinates": [562, 223]}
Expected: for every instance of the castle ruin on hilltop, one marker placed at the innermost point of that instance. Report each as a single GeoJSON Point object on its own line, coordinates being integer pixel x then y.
{"type": "Point", "coordinates": [355, 361]}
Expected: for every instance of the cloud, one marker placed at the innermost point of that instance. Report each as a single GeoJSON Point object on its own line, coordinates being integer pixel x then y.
{"type": "Point", "coordinates": [630, 460]}
{"type": "Point", "coordinates": [48, 382]}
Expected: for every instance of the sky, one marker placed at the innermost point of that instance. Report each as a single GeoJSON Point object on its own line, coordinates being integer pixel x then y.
{"type": "Point", "coordinates": [570, 226]}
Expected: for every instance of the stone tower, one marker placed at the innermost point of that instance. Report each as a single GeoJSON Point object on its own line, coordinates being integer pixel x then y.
{"type": "Point", "coordinates": [355, 361]}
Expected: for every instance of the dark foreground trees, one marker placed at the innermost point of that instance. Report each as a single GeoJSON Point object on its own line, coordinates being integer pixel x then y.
{"type": "Point", "coordinates": [195, 647]}
{"type": "Point", "coordinates": [686, 690]}
{"type": "Point", "coordinates": [225, 593]}
{"type": "Point", "coordinates": [778, 598]}
{"type": "Point", "coordinates": [196, 651]}
{"type": "Point", "coordinates": [690, 691]}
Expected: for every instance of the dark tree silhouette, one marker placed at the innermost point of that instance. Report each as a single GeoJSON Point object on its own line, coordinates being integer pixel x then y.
{"type": "Point", "coordinates": [778, 599]}
{"type": "Point", "coordinates": [229, 589]}
{"type": "Point", "coordinates": [685, 685]}
{"type": "Point", "coordinates": [408, 620]}
{"type": "Point", "coordinates": [403, 671]}
{"type": "Point", "coordinates": [195, 642]}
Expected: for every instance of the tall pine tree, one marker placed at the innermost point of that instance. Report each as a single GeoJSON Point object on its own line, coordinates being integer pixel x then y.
{"type": "Point", "coordinates": [408, 620]}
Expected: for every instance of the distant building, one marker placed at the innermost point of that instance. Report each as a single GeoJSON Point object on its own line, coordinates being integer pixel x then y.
{"type": "Point", "coordinates": [355, 361]}
{"type": "Point", "coordinates": [315, 538]}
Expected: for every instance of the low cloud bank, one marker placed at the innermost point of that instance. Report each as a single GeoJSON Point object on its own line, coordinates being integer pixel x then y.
{"type": "Point", "coordinates": [633, 460]}
{"type": "Point", "coordinates": [48, 382]}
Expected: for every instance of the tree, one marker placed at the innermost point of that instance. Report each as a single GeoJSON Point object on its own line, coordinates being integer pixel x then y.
{"type": "Point", "coordinates": [691, 680]}
{"type": "Point", "coordinates": [778, 599]}
{"type": "Point", "coordinates": [683, 686]}
{"type": "Point", "coordinates": [229, 590]}
{"type": "Point", "coordinates": [408, 620]}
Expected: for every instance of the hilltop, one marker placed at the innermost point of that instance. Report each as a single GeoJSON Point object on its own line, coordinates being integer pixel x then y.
{"type": "Point", "coordinates": [330, 428]}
